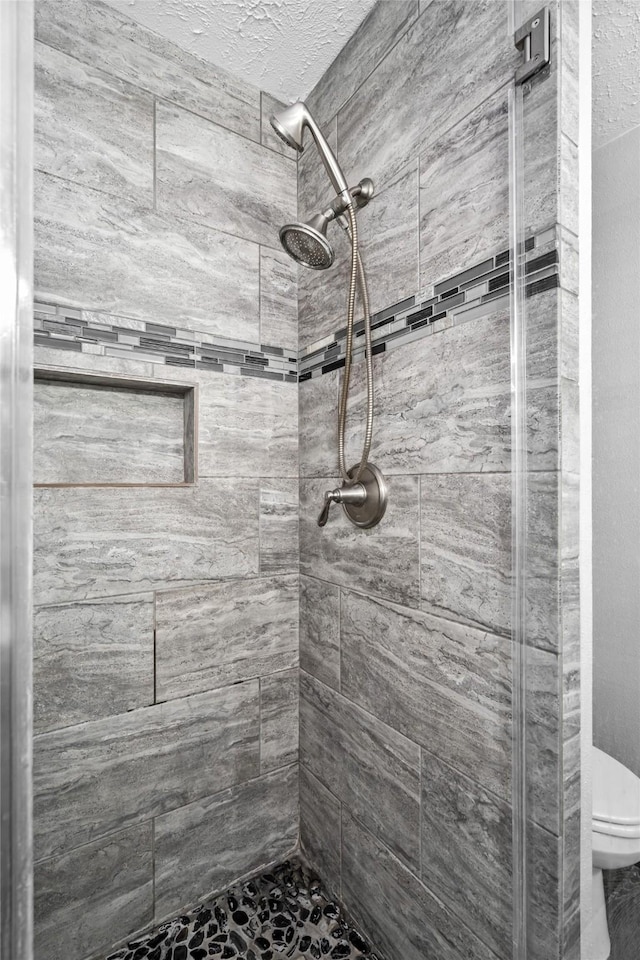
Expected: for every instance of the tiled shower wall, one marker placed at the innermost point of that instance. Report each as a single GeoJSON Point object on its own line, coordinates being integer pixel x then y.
{"type": "Point", "coordinates": [166, 620]}
{"type": "Point", "coordinates": [405, 630]}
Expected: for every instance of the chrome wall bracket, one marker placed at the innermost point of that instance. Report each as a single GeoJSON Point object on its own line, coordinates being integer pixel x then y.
{"type": "Point", "coordinates": [534, 39]}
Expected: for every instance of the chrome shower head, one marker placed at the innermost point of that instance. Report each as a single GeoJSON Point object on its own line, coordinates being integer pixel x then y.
{"type": "Point", "coordinates": [290, 125]}
{"type": "Point", "coordinates": [307, 242]}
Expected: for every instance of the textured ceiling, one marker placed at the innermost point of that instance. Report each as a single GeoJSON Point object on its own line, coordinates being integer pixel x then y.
{"type": "Point", "coordinates": [616, 68]}
{"type": "Point", "coordinates": [281, 46]}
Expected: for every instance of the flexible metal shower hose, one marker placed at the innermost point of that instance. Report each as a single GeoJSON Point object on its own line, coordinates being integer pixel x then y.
{"type": "Point", "coordinates": [357, 278]}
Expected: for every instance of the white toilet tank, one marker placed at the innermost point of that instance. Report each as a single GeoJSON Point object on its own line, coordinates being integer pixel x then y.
{"type": "Point", "coordinates": [616, 813]}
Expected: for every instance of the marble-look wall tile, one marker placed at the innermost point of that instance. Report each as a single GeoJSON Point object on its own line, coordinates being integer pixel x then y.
{"type": "Point", "coordinates": [102, 253]}
{"type": "Point", "coordinates": [543, 737]}
{"type": "Point", "coordinates": [107, 39]}
{"type": "Point", "coordinates": [279, 508]}
{"type": "Point", "coordinates": [320, 830]}
{"type": "Point", "coordinates": [94, 896]}
{"type": "Point", "coordinates": [203, 847]}
{"type": "Point", "coordinates": [318, 423]}
{"type": "Point", "coordinates": [105, 435]}
{"type": "Point", "coordinates": [214, 177]}
{"type": "Point", "coordinates": [383, 561]}
{"type": "Point", "coordinates": [108, 541]}
{"type": "Point", "coordinates": [413, 85]}
{"type": "Point", "coordinates": [471, 580]}
{"type": "Point", "coordinates": [279, 696]}
{"type": "Point", "coordinates": [466, 548]}
{"type": "Point", "coordinates": [541, 158]}
{"type": "Point", "coordinates": [371, 768]}
{"type": "Point", "coordinates": [320, 630]}
{"type": "Point", "coordinates": [441, 405]}
{"type": "Point", "coordinates": [92, 128]}
{"type": "Point", "coordinates": [405, 920]}
{"type": "Point", "coordinates": [212, 635]}
{"type": "Point", "coordinates": [544, 860]}
{"type": "Point", "coordinates": [96, 363]}
{"type": "Point", "coordinates": [464, 193]}
{"type": "Point", "coordinates": [247, 427]}
{"type": "Point", "coordinates": [543, 600]}
{"type": "Point", "coordinates": [622, 889]}
{"type": "Point", "coordinates": [278, 300]}
{"type": "Point", "coordinates": [444, 685]}
{"type": "Point", "coordinates": [91, 660]}
{"type": "Point", "coordinates": [466, 852]}
{"type": "Point", "coordinates": [103, 776]}
{"type": "Point", "coordinates": [379, 31]}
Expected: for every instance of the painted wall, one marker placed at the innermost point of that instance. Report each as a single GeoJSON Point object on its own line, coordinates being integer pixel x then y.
{"type": "Point", "coordinates": [616, 384]}
{"type": "Point", "coordinates": [405, 643]}
{"type": "Point", "coordinates": [166, 620]}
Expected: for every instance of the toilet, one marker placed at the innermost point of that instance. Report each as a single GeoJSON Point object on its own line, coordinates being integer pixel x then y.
{"type": "Point", "coordinates": [615, 835]}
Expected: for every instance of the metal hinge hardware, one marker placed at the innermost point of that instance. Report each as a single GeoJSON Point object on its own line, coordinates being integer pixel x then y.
{"type": "Point", "coordinates": [533, 37]}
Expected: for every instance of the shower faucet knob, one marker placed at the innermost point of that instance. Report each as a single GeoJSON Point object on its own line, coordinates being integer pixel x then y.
{"type": "Point", "coordinates": [353, 493]}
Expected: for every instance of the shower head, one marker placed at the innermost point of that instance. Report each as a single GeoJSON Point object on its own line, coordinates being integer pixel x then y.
{"type": "Point", "coordinates": [307, 242]}
{"type": "Point", "coordinates": [290, 125]}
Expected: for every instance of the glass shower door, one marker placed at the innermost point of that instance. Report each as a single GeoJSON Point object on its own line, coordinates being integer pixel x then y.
{"type": "Point", "coordinates": [545, 490]}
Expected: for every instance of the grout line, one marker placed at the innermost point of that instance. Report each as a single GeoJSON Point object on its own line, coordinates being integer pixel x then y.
{"type": "Point", "coordinates": [155, 155]}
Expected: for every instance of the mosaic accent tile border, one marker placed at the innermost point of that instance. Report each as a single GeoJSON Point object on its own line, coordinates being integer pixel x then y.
{"type": "Point", "coordinates": [84, 331]}
{"type": "Point", "coordinates": [283, 912]}
{"type": "Point", "coordinates": [472, 293]}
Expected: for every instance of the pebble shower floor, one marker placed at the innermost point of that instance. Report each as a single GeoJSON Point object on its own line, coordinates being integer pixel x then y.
{"type": "Point", "coordinates": [281, 913]}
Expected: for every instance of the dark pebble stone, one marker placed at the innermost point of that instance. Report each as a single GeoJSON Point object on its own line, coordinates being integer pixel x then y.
{"type": "Point", "coordinates": [221, 937]}
{"type": "Point", "coordinates": [332, 911]}
{"type": "Point", "coordinates": [289, 934]}
{"type": "Point", "coordinates": [221, 918]}
{"type": "Point", "coordinates": [304, 913]}
{"type": "Point", "coordinates": [267, 955]}
{"type": "Point", "coordinates": [182, 935]}
{"type": "Point", "coordinates": [249, 902]}
{"type": "Point", "coordinates": [214, 949]}
{"type": "Point", "coordinates": [250, 888]}
{"type": "Point", "coordinates": [198, 955]}
{"type": "Point", "coordinates": [315, 951]}
{"type": "Point", "coordinates": [180, 952]}
{"type": "Point", "coordinates": [211, 929]}
{"type": "Point", "coordinates": [338, 933]}
{"type": "Point", "coordinates": [251, 955]}
{"type": "Point", "coordinates": [263, 916]}
{"type": "Point", "coordinates": [274, 905]}
{"type": "Point", "coordinates": [160, 938]}
{"type": "Point", "coordinates": [325, 946]}
{"type": "Point", "coordinates": [358, 942]}
{"type": "Point", "coordinates": [228, 952]}
{"type": "Point", "coordinates": [341, 950]}
{"type": "Point", "coordinates": [315, 915]}
{"type": "Point", "coordinates": [278, 935]}
{"type": "Point", "coordinates": [305, 943]}
{"type": "Point", "coordinates": [240, 917]}
{"type": "Point", "coordinates": [155, 954]}
{"type": "Point", "coordinates": [232, 902]}
{"type": "Point", "coordinates": [140, 953]}
{"type": "Point", "coordinates": [262, 943]}
{"type": "Point", "coordinates": [280, 920]}
{"type": "Point", "coordinates": [196, 939]}
{"type": "Point", "coordinates": [237, 941]}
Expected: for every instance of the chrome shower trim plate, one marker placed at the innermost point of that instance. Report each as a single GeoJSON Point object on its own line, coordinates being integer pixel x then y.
{"type": "Point", "coordinates": [371, 511]}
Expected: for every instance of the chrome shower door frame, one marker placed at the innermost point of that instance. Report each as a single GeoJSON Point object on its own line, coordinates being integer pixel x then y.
{"type": "Point", "coordinates": [16, 361]}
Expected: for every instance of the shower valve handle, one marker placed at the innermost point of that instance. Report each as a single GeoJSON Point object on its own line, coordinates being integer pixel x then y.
{"type": "Point", "coordinates": [354, 493]}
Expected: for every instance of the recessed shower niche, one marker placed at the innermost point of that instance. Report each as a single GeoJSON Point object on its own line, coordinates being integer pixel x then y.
{"type": "Point", "coordinates": [95, 430]}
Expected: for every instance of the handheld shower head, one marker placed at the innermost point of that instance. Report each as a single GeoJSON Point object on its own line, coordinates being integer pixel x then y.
{"type": "Point", "coordinates": [307, 242]}
{"type": "Point", "coordinates": [290, 125]}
